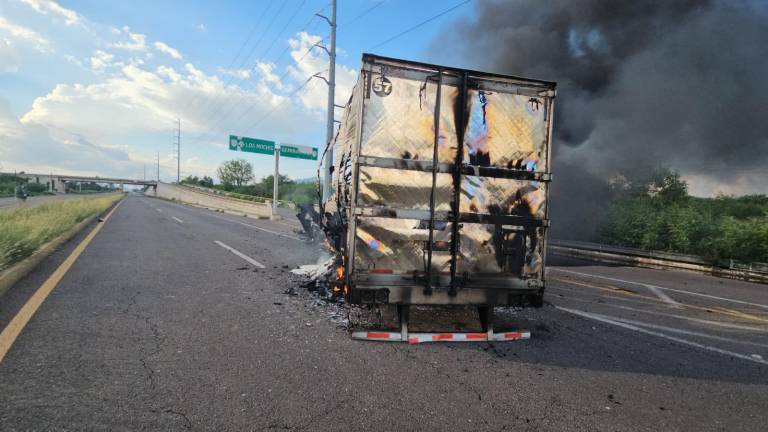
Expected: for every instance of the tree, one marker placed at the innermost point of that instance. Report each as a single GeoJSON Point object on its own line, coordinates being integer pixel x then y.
{"type": "Point", "coordinates": [204, 181]}
{"type": "Point", "coordinates": [236, 172]}
{"type": "Point", "coordinates": [193, 180]}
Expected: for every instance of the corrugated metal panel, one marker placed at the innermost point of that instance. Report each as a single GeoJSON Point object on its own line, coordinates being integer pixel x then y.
{"type": "Point", "coordinates": [506, 131]}
{"type": "Point", "coordinates": [403, 189]}
{"type": "Point", "coordinates": [401, 124]}
{"type": "Point", "coordinates": [398, 244]}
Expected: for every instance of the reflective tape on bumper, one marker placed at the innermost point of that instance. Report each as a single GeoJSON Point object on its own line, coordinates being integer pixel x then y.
{"type": "Point", "coordinates": [377, 336]}
{"type": "Point", "coordinates": [415, 338]}
{"type": "Point", "coordinates": [509, 336]}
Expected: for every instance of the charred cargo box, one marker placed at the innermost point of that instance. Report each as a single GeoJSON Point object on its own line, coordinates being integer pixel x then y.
{"type": "Point", "coordinates": [440, 186]}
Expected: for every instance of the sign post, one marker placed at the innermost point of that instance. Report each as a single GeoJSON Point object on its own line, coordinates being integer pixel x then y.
{"type": "Point", "coordinates": [255, 145]}
{"type": "Point", "coordinates": [275, 181]}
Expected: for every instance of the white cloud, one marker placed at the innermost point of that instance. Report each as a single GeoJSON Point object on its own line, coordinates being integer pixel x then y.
{"type": "Point", "coordinates": [100, 60]}
{"type": "Point", "coordinates": [9, 60]}
{"type": "Point", "coordinates": [45, 6]}
{"type": "Point", "coordinates": [137, 42]}
{"type": "Point", "coordinates": [36, 148]}
{"type": "Point", "coordinates": [134, 99]}
{"type": "Point", "coordinates": [307, 63]}
{"type": "Point", "coordinates": [74, 60]}
{"type": "Point", "coordinates": [113, 123]}
{"type": "Point", "coordinates": [24, 34]}
{"type": "Point", "coordinates": [160, 46]}
{"type": "Point", "coordinates": [268, 74]}
{"type": "Point", "coordinates": [201, 27]}
{"type": "Point", "coordinates": [237, 73]}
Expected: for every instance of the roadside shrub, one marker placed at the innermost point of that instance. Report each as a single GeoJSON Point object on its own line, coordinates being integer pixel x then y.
{"type": "Point", "coordinates": [25, 230]}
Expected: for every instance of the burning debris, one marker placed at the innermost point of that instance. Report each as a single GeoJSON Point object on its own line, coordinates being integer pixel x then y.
{"type": "Point", "coordinates": [326, 279]}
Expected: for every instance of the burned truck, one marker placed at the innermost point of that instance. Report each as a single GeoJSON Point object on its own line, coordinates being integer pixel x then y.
{"type": "Point", "coordinates": [439, 189]}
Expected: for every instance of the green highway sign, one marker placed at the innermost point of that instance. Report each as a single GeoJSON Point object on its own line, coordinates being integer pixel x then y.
{"type": "Point", "coordinates": [297, 151]}
{"type": "Point", "coordinates": [252, 145]}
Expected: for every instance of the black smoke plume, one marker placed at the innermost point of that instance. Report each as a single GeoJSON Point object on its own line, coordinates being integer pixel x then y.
{"type": "Point", "coordinates": [643, 84]}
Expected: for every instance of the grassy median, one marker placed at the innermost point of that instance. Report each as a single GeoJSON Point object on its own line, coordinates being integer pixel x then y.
{"type": "Point", "coordinates": [25, 230]}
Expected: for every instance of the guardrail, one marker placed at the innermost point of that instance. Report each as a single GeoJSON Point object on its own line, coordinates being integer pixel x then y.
{"type": "Point", "coordinates": [755, 272]}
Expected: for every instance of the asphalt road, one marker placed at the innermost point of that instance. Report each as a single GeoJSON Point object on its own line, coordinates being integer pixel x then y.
{"type": "Point", "coordinates": [161, 325]}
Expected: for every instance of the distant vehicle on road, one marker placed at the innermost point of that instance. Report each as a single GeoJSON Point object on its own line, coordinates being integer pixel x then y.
{"type": "Point", "coordinates": [21, 193]}
{"type": "Point", "coordinates": [440, 187]}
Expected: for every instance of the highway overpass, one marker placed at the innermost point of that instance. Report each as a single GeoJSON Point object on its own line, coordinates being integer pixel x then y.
{"type": "Point", "coordinates": [56, 183]}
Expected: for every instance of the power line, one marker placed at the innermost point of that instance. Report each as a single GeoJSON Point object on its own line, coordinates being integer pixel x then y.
{"type": "Point", "coordinates": [298, 62]}
{"type": "Point", "coordinates": [362, 14]}
{"type": "Point", "coordinates": [235, 103]}
{"type": "Point", "coordinates": [292, 94]}
{"type": "Point", "coordinates": [428, 20]}
{"type": "Point", "coordinates": [232, 77]}
{"type": "Point", "coordinates": [280, 78]}
{"type": "Point", "coordinates": [272, 44]}
{"type": "Point", "coordinates": [250, 35]}
{"type": "Point", "coordinates": [239, 51]}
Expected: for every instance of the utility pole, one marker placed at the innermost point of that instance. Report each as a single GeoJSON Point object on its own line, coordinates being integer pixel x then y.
{"type": "Point", "coordinates": [145, 172]}
{"type": "Point", "coordinates": [158, 167]}
{"type": "Point", "coordinates": [328, 160]}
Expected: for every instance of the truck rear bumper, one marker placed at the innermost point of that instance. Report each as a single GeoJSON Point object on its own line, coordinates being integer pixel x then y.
{"type": "Point", "coordinates": [415, 338]}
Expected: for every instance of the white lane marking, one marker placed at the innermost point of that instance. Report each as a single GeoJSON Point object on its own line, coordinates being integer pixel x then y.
{"type": "Point", "coordinates": [663, 297]}
{"type": "Point", "coordinates": [177, 219]}
{"type": "Point", "coordinates": [685, 318]}
{"type": "Point", "coordinates": [240, 254]}
{"type": "Point", "coordinates": [269, 231]}
{"type": "Point", "coordinates": [681, 331]}
{"type": "Point", "coordinates": [662, 335]}
{"type": "Point", "coordinates": [245, 224]}
{"type": "Point", "coordinates": [663, 288]}
{"type": "Point", "coordinates": [645, 301]}
{"type": "Point", "coordinates": [652, 288]}
{"type": "Point", "coordinates": [160, 210]}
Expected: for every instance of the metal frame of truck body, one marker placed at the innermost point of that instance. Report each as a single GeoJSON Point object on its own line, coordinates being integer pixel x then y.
{"type": "Point", "coordinates": [431, 287]}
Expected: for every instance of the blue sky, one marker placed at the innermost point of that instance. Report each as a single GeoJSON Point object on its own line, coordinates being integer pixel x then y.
{"type": "Point", "coordinates": [94, 87]}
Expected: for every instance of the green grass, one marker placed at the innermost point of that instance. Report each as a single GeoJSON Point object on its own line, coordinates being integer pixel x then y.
{"type": "Point", "coordinates": [25, 230]}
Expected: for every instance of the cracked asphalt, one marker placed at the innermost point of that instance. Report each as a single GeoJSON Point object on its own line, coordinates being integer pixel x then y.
{"type": "Point", "coordinates": [157, 327]}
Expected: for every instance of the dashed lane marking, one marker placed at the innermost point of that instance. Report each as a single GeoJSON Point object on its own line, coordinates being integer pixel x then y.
{"type": "Point", "coordinates": [680, 317]}
{"type": "Point", "coordinates": [240, 254]}
{"type": "Point", "coordinates": [244, 224]}
{"type": "Point", "coordinates": [270, 231]}
{"type": "Point", "coordinates": [17, 324]}
{"type": "Point", "coordinates": [685, 332]}
{"type": "Point", "coordinates": [606, 320]}
{"type": "Point", "coordinates": [177, 219]}
{"type": "Point", "coordinates": [713, 309]}
{"type": "Point", "coordinates": [762, 306]}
